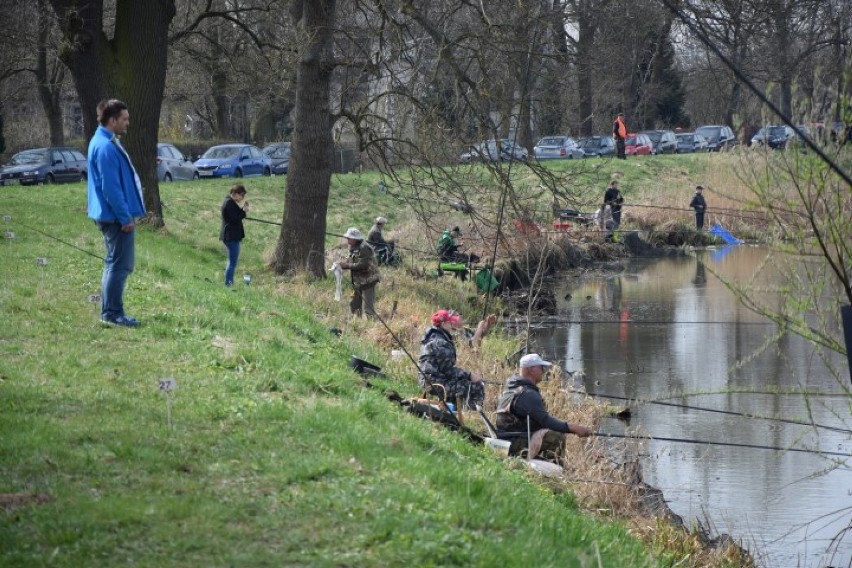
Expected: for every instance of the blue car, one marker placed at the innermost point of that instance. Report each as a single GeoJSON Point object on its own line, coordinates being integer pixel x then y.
{"type": "Point", "coordinates": [233, 160]}
{"type": "Point", "coordinates": [44, 166]}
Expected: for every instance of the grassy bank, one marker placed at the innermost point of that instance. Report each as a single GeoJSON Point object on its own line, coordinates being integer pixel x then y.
{"type": "Point", "coordinates": [269, 452]}
{"type": "Point", "coordinates": [275, 456]}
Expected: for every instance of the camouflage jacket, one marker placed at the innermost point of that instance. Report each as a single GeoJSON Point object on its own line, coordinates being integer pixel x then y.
{"type": "Point", "coordinates": [363, 265]}
{"type": "Point", "coordinates": [438, 359]}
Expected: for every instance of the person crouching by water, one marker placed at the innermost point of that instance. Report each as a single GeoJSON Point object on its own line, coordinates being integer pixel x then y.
{"type": "Point", "coordinates": [232, 231]}
{"type": "Point", "coordinates": [365, 274]}
{"type": "Point", "coordinates": [437, 363]}
{"type": "Point", "coordinates": [521, 404]}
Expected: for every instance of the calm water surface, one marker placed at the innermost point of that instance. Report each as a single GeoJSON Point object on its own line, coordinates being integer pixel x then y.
{"type": "Point", "coordinates": [669, 330]}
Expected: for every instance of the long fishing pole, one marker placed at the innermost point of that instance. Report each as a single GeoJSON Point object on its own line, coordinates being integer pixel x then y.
{"type": "Point", "coordinates": [728, 444]}
{"type": "Point", "coordinates": [549, 322]}
{"type": "Point", "coordinates": [717, 411]}
{"type": "Point", "coordinates": [57, 239]}
{"type": "Point", "coordinates": [398, 341]}
{"type": "Point", "coordinates": [255, 219]}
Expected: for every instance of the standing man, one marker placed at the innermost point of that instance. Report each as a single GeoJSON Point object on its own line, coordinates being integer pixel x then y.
{"type": "Point", "coordinates": [521, 406]}
{"type": "Point", "coordinates": [365, 274]}
{"type": "Point", "coordinates": [613, 198]}
{"type": "Point", "coordinates": [699, 205]}
{"type": "Point", "coordinates": [115, 200]}
{"type": "Point", "coordinates": [619, 132]}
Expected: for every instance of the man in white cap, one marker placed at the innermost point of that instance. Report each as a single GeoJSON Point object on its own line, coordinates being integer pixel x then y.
{"type": "Point", "coordinates": [521, 411]}
{"type": "Point", "coordinates": [365, 273]}
{"type": "Point", "coordinates": [384, 248]}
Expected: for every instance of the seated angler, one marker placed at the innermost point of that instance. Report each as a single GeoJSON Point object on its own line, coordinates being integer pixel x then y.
{"type": "Point", "coordinates": [437, 362]}
{"type": "Point", "coordinates": [385, 248]}
{"type": "Point", "coordinates": [521, 406]}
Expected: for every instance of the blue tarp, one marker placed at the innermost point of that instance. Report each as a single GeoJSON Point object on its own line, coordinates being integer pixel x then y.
{"type": "Point", "coordinates": [720, 232]}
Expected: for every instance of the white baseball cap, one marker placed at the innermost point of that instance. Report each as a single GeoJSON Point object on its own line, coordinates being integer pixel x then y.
{"type": "Point", "coordinates": [534, 360]}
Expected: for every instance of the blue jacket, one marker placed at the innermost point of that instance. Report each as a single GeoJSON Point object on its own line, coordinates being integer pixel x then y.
{"type": "Point", "coordinates": [114, 194]}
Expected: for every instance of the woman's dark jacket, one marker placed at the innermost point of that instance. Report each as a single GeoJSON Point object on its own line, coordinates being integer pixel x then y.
{"type": "Point", "coordinates": [232, 221]}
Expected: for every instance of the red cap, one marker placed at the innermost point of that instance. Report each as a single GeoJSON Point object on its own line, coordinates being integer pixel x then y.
{"type": "Point", "coordinates": [442, 316]}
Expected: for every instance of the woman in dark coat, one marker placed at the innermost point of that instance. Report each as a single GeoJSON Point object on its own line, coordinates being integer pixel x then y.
{"type": "Point", "coordinates": [437, 363]}
{"type": "Point", "coordinates": [232, 231]}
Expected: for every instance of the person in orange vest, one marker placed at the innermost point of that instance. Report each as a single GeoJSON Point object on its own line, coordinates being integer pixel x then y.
{"type": "Point", "coordinates": [619, 132]}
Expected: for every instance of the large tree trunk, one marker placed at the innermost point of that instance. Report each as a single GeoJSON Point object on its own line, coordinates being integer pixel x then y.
{"type": "Point", "coordinates": [85, 51]}
{"type": "Point", "coordinates": [141, 42]}
{"type": "Point", "coordinates": [131, 67]}
{"type": "Point", "coordinates": [301, 242]}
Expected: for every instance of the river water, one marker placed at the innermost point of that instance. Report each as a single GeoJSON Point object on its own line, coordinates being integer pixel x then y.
{"type": "Point", "coordinates": [669, 330]}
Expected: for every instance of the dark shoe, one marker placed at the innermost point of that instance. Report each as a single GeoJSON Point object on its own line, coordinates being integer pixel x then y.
{"type": "Point", "coordinates": [120, 321]}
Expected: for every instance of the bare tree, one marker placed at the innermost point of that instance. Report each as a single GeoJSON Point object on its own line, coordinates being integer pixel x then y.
{"type": "Point", "coordinates": [32, 54]}
{"type": "Point", "coordinates": [301, 242]}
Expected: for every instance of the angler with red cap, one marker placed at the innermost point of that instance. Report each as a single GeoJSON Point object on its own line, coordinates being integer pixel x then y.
{"type": "Point", "coordinates": [437, 362]}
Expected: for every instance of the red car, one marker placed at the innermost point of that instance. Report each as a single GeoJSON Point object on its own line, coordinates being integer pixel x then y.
{"type": "Point", "coordinates": [638, 145]}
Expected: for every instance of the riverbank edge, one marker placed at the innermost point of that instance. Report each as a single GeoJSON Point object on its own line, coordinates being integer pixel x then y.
{"type": "Point", "coordinates": [572, 256]}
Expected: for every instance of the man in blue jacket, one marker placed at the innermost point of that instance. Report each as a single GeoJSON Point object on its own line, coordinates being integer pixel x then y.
{"type": "Point", "coordinates": [115, 200]}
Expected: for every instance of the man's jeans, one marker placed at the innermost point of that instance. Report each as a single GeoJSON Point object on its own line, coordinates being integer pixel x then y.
{"type": "Point", "coordinates": [119, 262]}
{"type": "Point", "coordinates": [233, 256]}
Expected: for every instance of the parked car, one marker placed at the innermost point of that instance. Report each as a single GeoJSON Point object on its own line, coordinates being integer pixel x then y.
{"type": "Point", "coordinates": [488, 152]}
{"type": "Point", "coordinates": [234, 160]}
{"type": "Point", "coordinates": [173, 165]}
{"type": "Point", "coordinates": [665, 141]}
{"type": "Point", "coordinates": [280, 155]}
{"type": "Point", "coordinates": [719, 137]}
{"type": "Point", "coordinates": [45, 165]}
{"type": "Point", "coordinates": [557, 148]}
{"type": "Point", "coordinates": [691, 142]}
{"type": "Point", "coordinates": [638, 145]}
{"type": "Point", "coordinates": [776, 136]}
{"type": "Point", "coordinates": [597, 146]}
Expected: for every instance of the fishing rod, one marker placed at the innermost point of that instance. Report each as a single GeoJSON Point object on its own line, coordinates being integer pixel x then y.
{"type": "Point", "coordinates": [728, 444]}
{"type": "Point", "coordinates": [717, 411]}
{"type": "Point", "coordinates": [547, 323]}
{"type": "Point", "coordinates": [255, 219]}
{"type": "Point", "coordinates": [57, 239]}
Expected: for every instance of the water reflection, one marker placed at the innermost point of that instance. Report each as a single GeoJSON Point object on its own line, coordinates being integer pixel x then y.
{"type": "Point", "coordinates": [668, 329]}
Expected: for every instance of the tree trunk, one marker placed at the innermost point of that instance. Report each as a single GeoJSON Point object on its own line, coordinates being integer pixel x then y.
{"type": "Point", "coordinates": [301, 242]}
{"type": "Point", "coordinates": [49, 84]}
{"type": "Point", "coordinates": [141, 45]}
{"type": "Point", "coordinates": [585, 49]}
{"type": "Point", "coordinates": [131, 67]}
{"type": "Point", "coordinates": [86, 52]}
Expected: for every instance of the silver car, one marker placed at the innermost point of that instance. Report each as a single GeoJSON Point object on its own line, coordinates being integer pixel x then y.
{"type": "Point", "coordinates": [490, 151]}
{"type": "Point", "coordinates": [173, 165]}
{"type": "Point", "coordinates": [557, 148]}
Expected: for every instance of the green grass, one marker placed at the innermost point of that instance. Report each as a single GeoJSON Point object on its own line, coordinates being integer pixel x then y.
{"type": "Point", "coordinates": [276, 456]}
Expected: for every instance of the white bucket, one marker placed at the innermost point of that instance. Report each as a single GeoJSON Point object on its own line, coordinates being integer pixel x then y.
{"type": "Point", "coordinates": [498, 446]}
